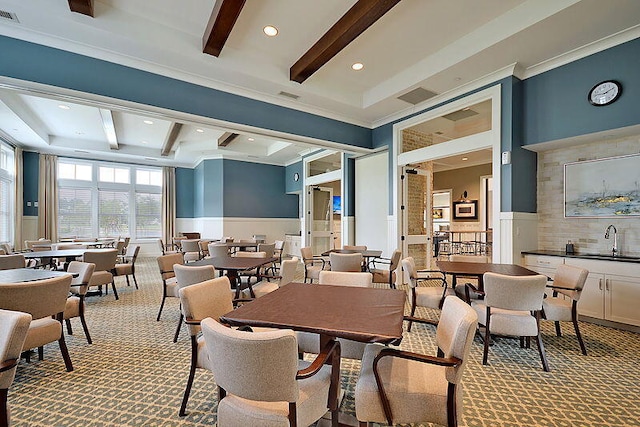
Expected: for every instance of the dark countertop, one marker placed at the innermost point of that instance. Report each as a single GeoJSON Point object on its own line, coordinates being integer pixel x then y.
{"type": "Point", "coordinates": [600, 257]}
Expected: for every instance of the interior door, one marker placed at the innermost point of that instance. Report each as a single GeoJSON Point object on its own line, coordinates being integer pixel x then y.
{"type": "Point", "coordinates": [416, 215]}
{"type": "Point", "coordinates": [320, 217]}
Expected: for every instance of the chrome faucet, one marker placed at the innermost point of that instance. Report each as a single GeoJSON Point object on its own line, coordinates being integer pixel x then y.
{"type": "Point", "coordinates": [614, 250]}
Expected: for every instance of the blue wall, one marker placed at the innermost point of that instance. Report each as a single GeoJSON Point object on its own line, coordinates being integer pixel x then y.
{"type": "Point", "coordinates": [31, 172]}
{"type": "Point", "coordinates": [185, 193]}
{"type": "Point", "coordinates": [291, 185]}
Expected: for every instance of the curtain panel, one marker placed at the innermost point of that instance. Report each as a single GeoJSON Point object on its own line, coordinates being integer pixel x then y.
{"type": "Point", "coordinates": [168, 203]}
{"type": "Point", "coordinates": [48, 197]}
{"type": "Point", "coordinates": [19, 190]}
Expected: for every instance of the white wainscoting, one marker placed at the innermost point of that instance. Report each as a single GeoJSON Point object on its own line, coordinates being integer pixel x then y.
{"type": "Point", "coordinates": [519, 232]}
{"type": "Point", "coordinates": [239, 228]}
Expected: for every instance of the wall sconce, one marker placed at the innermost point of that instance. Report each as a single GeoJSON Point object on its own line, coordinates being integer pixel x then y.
{"type": "Point", "coordinates": [463, 197]}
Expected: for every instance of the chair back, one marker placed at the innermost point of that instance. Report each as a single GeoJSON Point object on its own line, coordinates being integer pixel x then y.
{"type": "Point", "coordinates": [28, 244]}
{"type": "Point", "coordinates": [84, 270]}
{"type": "Point", "coordinates": [345, 262]}
{"type": "Point", "coordinates": [13, 331]}
{"type": "Point", "coordinates": [343, 278]}
{"type": "Point", "coordinates": [279, 245]}
{"type": "Point", "coordinates": [258, 366]}
{"type": "Point", "coordinates": [455, 332]}
{"type": "Point", "coordinates": [268, 248]}
{"type": "Point", "coordinates": [395, 259]}
{"type": "Point", "coordinates": [9, 262]}
{"type": "Point", "coordinates": [354, 247]}
{"type": "Point", "coordinates": [469, 258]}
{"type": "Point", "coordinates": [186, 275]}
{"type": "Point", "coordinates": [568, 276]}
{"type": "Point", "coordinates": [105, 260]}
{"type": "Point", "coordinates": [132, 253]}
{"type": "Point", "coordinates": [63, 246]}
{"type": "Point", "coordinates": [306, 253]}
{"type": "Point", "coordinates": [246, 254]}
{"type": "Point", "coordinates": [409, 267]}
{"type": "Point", "coordinates": [39, 298]}
{"type": "Point", "coordinates": [227, 240]}
{"type": "Point", "coordinates": [524, 293]}
{"type": "Point", "coordinates": [211, 298]}
{"type": "Point", "coordinates": [204, 247]}
{"type": "Point", "coordinates": [217, 250]}
{"type": "Point", "coordinates": [120, 246]}
{"type": "Point", "coordinates": [6, 248]}
{"type": "Point", "coordinates": [160, 244]}
{"type": "Point", "coordinates": [166, 263]}
{"type": "Point", "coordinates": [191, 235]}
{"type": "Point", "coordinates": [190, 245]}
{"type": "Point", "coordinates": [288, 270]}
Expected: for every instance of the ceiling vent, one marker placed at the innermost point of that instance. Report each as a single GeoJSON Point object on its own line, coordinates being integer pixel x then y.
{"type": "Point", "coordinates": [460, 114]}
{"type": "Point", "coordinates": [417, 96]}
{"type": "Point", "coordinates": [9, 16]}
{"type": "Point", "coordinates": [288, 95]}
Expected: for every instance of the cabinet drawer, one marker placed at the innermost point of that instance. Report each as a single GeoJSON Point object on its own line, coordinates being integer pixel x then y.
{"type": "Point", "coordinates": [547, 262]}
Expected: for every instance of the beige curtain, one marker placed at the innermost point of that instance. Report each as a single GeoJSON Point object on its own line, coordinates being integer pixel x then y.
{"type": "Point", "coordinates": [17, 226]}
{"type": "Point", "coordinates": [48, 197]}
{"type": "Point", "coordinates": [168, 203]}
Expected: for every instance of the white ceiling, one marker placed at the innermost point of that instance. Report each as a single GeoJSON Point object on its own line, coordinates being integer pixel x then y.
{"type": "Point", "coordinates": [440, 45]}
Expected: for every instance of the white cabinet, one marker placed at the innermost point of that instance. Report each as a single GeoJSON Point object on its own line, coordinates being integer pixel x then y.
{"type": "Point", "coordinates": [292, 245]}
{"type": "Point", "coordinates": [543, 264]}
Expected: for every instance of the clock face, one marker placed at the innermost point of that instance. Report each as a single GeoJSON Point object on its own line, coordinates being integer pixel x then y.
{"type": "Point", "coordinates": [296, 176]}
{"type": "Point", "coordinates": [605, 93]}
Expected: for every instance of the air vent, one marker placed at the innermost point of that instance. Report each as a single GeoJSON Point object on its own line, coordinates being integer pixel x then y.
{"type": "Point", "coordinates": [9, 16]}
{"type": "Point", "coordinates": [417, 95]}
{"type": "Point", "coordinates": [439, 133]}
{"type": "Point", "coordinates": [289, 95]}
{"type": "Point", "coordinates": [460, 114]}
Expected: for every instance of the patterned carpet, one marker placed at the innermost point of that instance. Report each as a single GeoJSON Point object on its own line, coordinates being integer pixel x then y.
{"type": "Point", "coordinates": [134, 375]}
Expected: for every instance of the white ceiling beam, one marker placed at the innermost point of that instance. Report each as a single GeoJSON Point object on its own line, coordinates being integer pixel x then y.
{"type": "Point", "coordinates": [172, 137]}
{"type": "Point", "coordinates": [24, 113]}
{"type": "Point", "coordinates": [109, 128]}
{"type": "Point", "coordinates": [277, 146]}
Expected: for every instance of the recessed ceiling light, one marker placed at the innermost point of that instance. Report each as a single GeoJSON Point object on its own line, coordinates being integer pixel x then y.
{"type": "Point", "coordinates": [148, 122]}
{"type": "Point", "coordinates": [200, 130]}
{"type": "Point", "coordinates": [144, 142]}
{"type": "Point", "coordinates": [78, 132]}
{"type": "Point", "coordinates": [357, 66]}
{"type": "Point", "coordinates": [251, 139]}
{"type": "Point", "coordinates": [270, 30]}
{"type": "Point", "coordinates": [64, 107]}
{"type": "Point", "coordinates": [464, 159]}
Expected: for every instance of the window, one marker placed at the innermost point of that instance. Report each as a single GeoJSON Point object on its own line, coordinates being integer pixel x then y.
{"type": "Point", "coordinates": [97, 199]}
{"type": "Point", "coordinates": [7, 198]}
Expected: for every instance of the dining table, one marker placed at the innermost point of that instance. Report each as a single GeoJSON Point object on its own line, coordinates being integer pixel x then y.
{"type": "Point", "coordinates": [20, 275]}
{"type": "Point", "coordinates": [232, 266]}
{"type": "Point", "coordinates": [476, 270]}
{"type": "Point", "coordinates": [68, 254]}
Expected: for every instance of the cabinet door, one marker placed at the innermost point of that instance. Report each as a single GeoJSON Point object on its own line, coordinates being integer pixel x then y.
{"type": "Point", "coordinates": [592, 298]}
{"type": "Point", "coordinates": [621, 302]}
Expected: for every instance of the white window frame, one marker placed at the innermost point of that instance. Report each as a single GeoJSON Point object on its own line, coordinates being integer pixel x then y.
{"type": "Point", "coordinates": [8, 175]}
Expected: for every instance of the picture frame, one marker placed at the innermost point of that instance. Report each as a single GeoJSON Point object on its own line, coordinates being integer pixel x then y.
{"type": "Point", "coordinates": [467, 209]}
{"type": "Point", "coordinates": [602, 188]}
{"type": "Point", "coordinates": [438, 213]}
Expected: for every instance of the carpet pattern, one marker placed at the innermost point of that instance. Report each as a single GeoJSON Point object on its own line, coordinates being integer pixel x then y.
{"type": "Point", "coordinates": [134, 375]}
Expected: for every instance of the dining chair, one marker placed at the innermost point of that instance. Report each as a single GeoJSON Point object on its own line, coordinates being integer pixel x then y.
{"type": "Point", "coordinates": [14, 326]}
{"type": "Point", "coordinates": [287, 275]}
{"type": "Point", "coordinates": [128, 266]}
{"type": "Point", "coordinates": [169, 282]}
{"type": "Point", "coordinates": [191, 250]}
{"type": "Point", "coordinates": [398, 387]}
{"type": "Point", "coordinates": [191, 235]}
{"type": "Point", "coordinates": [250, 275]}
{"type": "Point", "coordinates": [6, 248]}
{"type": "Point", "coordinates": [387, 274]}
{"type": "Point", "coordinates": [105, 261]}
{"type": "Point", "coordinates": [75, 302]}
{"type": "Point", "coordinates": [261, 381]}
{"type": "Point", "coordinates": [217, 250]}
{"type": "Point", "coordinates": [427, 288]}
{"type": "Point", "coordinates": [204, 248]}
{"type": "Point", "coordinates": [460, 288]}
{"type": "Point", "coordinates": [345, 262]}
{"type": "Point", "coordinates": [278, 250]}
{"type": "Point", "coordinates": [165, 249]}
{"type": "Point", "coordinates": [346, 278]}
{"type": "Point", "coordinates": [511, 307]}
{"type": "Point", "coordinates": [9, 262]}
{"type": "Point", "coordinates": [312, 264]}
{"type": "Point", "coordinates": [190, 275]}
{"type": "Point", "coordinates": [45, 301]}
{"type": "Point", "coordinates": [125, 246]}
{"type": "Point", "coordinates": [562, 304]}
{"type": "Point", "coordinates": [211, 298]}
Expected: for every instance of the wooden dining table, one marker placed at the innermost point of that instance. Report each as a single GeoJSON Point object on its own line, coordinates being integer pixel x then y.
{"type": "Point", "coordinates": [477, 270]}
{"type": "Point", "coordinates": [20, 275]}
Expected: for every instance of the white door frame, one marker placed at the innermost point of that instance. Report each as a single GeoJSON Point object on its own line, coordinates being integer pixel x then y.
{"type": "Point", "coordinates": [416, 239]}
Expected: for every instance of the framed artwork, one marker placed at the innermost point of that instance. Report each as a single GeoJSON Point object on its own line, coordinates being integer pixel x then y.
{"type": "Point", "coordinates": [602, 188]}
{"type": "Point", "coordinates": [437, 213]}
{"type": "Point", "coordinates": [467, 209]}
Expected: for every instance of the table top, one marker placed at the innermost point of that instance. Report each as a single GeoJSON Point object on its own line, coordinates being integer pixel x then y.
{"type": "Point", "coordinates": [233, 263]}
{"type": "Point", "coordinates": [479, 268]}
{"type": "Point", "coordinates": [61, 253]}
{"type": "Point", "coordinates": [369, 315]}
{"type": "Point", "coordinates": [17, 275]}
{"type": "Point", "coordinates": [367, 254]}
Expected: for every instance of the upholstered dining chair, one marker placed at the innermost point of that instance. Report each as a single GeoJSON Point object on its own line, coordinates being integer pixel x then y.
{"type": "Point", "coordinates": [128, 266]}
{"type": "Point", "coordinates": [562, 304]}
{"type": "Point", "coordinates": [186, 276]}
{"type": "Point", "coordinates": [511, 307]}
{"type": "Point", "coordinates": [427, 288]}
{"type": "Point", "coordinates": [45, 301]}
{"type": "Point", "coordinates": [346, 278]}
{"type": "Point", "coordinates": [9, 262]}
{"type": "Point", "coordinates": [14, 326]}
{"type": "Point", "coordinates": [204, 247]}
{"type": "Point", "coordinates": [312, 264]}
{"type": "Point", "coordinates": [287, 275]}
{"type": "Point", "coordinates": [105, 261]}
{"type": "Point", "coordinates": [166, 249]}
{"type": "Point", "coordinates": [75, 302]}
{"type": "Point", "coordinates": [460, 288]}
{"type": "Point", "coordinates": [397, 387]}
{"type": "Point", "coordinates": [261, 381]}
{"type": "Point", "coordinates": [386, 274]}
{"type": "Point", "coordinates": [169, 282]}
{"type": "Point", "coordinates": [211, 298]}
{"type": "Point", "coordinates": [250, 275]}
{"type": "Point", "coordinates": [217, 250]}
{"type": "Point", "coordinates": [345, 262]}
{"type": "Point", "coordinates": [191, 250]}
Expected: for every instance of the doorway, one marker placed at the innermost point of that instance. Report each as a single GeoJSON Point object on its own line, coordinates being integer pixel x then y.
{"type": "Point", "coordinates": [416, 214]}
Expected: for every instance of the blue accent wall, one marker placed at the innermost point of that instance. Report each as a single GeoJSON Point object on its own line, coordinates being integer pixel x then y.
{"type": "Point", "coordinates": [291, 185]}
{"type": "Point", "coordinates": [185, 193]}
{"type": "Point", "coordinates": [31, 172]}
{"type": "Point", "coordinates": [257, 190]}
{"type": "Point", "coordinates": [556, 104]}
{"type": "Point", "coordinates": [32, 62]}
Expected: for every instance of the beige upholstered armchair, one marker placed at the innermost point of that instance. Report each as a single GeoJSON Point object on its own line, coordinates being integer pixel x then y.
{"type": "Point", "coordinates": [191, 250]}
{"type": "Point", "coordinates": [384, 270]}
{"type": "Point", "coordinates": [427, 288]}
{"type": "Point", "coordinates": [13, 331]}
{"type": "Point", "coordinates": [345, 262]}
{"type": "Point", "coordinates": [261, 382]}
{"type": "Point", "coordinates": [346, 278]}
{"type": "Point", "coordinates": [397, 386]}
{"type": "Point", "coordinates": [9, 262]}
{"type": "Point", "coordinates": [211, 298]}
{"type": "Point", "coordinates": [169, 282]}
{"type": "Point", "coordinates": [313, 265]}
{"type": "Point", "coordinates": [287, 275]}
{"type": "Point", "coordinates": [45, 300]}
{"type": "Point", "coordinates": [511, 307]}
{"type": "Point", "coordinates": [128, 266]}
{"type": "Point", "coordinates": [187, 276]}
{"type": "Point", "coordinates": [562, 304]}
{"type": "Point", "coordinates": [105, 261]}
{"type": "Point", "coordinates": [75, 303]}
{"type": "Point", "coordinates": [217, 250]}
{"type": "Point", "coordinates": [461, 289]}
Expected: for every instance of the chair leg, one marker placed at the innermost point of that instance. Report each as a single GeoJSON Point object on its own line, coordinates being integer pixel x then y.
{"type": "Point", "coordinates": [41, 353]}
{"type": "Point", "coordinates": [558, 330]}
{"type": "Point", "coordinates": [574, 319]}
{"type": "Point", "coordinates": [192, 373]}
{"type": "Point", "coordinates": [134, 280]}
{"type": "Point", "coordinates": [4, 412]}
{"type": "Point", "coordinates": [83, 321]}
{"type": "Point", "coordinates": [164, 296]}
{"type": "Point", "coordinates": [413, 307]}
{"type": "Point", "coordinates": [65, 353]}
{"type": "Point", "coordinates": [543, 356]}
{"type": "Point", "coordinates": [68, 323]}
{"type": "Point", "coordinates": [127, 277]}
{"type": "Point", "coordinates": [175, 336]}
{"type": "Point", "coordinates": [115, 292]}
{"type": "Point", "coordinates": [487, 338]}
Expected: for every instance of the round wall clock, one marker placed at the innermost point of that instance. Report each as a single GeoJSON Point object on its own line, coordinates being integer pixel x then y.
{"type": "Point", "coordinates": [296, 176]}
{"type": "Point", "coordinates": [604, 93]}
